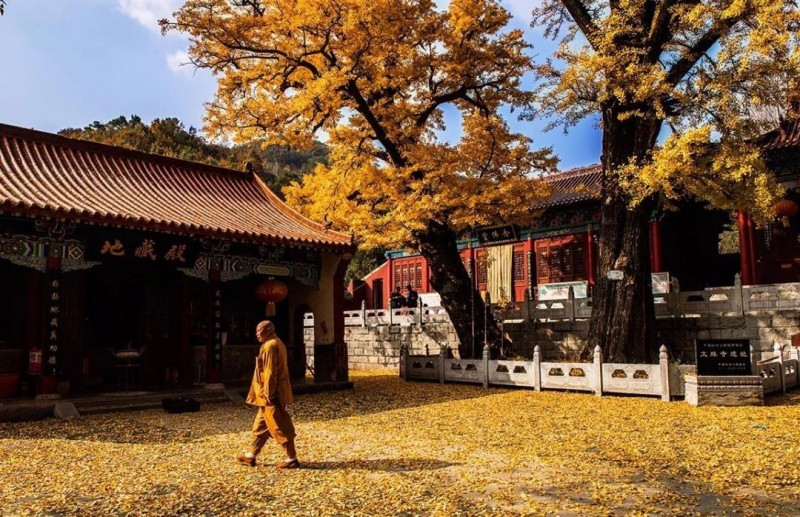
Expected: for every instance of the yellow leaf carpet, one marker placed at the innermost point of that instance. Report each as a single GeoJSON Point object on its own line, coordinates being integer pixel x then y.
{"type": "Point", "coordinates": [394, 448]}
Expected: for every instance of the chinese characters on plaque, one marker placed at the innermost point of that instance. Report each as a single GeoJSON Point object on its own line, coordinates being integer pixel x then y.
{"type": "Point", "coordinates": [147, 248]}
{"type": "Point", "coordinates": [723, 357]}
{"type": "Point", "coordinates": [495, 235]}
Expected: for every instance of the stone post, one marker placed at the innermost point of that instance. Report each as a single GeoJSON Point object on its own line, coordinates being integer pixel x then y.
{"type": "Point", "coordinates": [663, 364]}
{"type": "Point", "coordinates": [571, 304]}
{"type": "Point", "coordinates": [778, 349]}
{"type": "Point", "coordinates": [363, 313]}
{"type": "Point", "coordinates": [598, 371]}
{"type": "Point", "coordinates": [737, 300]}
{"type": "Point", "coordinates": [754, 361]}
{"type": "Point", "coordinates": [537, 368]}
{"type": "Point", "coordinates": [485, 367]}
{"type": "Point", "coordinates": [403, 362]}
{"type": "Point", "coordinates": [419, 313]}
{"type": "Point", "coordinates": [442, 357]}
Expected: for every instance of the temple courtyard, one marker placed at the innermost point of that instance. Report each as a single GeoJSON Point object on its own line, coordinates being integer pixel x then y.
{"type": "Point", "coordinates": [394, 448]}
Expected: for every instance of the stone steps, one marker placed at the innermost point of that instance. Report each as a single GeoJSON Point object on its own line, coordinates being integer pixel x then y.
{"type": "Point", "coordinates": [18, 410]}
{"type": "Point", "coordinates": [142, 402]}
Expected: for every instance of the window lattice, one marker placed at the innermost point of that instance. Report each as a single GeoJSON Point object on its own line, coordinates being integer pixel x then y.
{"type": "Point", "coordinates": [518, 265]}
{"type": "Point", "coordinates": [482, 270]}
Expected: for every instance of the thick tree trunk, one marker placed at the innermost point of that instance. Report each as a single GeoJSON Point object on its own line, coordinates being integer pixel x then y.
{"type": "Point", "coordinates": [463, 303]}
{"type": "Point", "coordinates": [623, 316]}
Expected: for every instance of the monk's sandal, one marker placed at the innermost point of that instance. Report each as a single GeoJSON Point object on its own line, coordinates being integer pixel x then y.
{"type": "Point", "coordinates": [244, 459]}
{"type": "Point", "coordinates": [288, 464]}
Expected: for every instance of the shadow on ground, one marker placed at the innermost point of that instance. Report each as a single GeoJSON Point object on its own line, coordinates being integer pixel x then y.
{"type": "Point", "coordinates": [787, 399]}
{"type": "Point", "coordinates": [379, 465]}
{"type": "Point", "coordinates": [371, 394]}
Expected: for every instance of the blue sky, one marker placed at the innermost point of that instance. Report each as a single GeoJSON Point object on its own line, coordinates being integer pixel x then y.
{"type": "Point", "coordinates": [67, 63]}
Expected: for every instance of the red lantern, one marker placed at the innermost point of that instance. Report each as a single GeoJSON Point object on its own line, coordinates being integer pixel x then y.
{"type": "Point", "coordinates": [271, 292]}
{"type": "Point", "coordinates": [785, 208]}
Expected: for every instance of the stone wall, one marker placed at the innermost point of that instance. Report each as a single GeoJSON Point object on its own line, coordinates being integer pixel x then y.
{"type": "Point", "coordinates": [379, 347]}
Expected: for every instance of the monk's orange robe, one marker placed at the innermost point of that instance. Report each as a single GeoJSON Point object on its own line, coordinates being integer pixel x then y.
{"type": "Point", "coordinates": [270, 385]}
{"type": "Point", "coordinates": [270, 390]}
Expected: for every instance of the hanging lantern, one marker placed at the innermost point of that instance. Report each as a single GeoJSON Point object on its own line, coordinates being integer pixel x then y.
{"type": "Point", "coordinates": [785, 208]}
{"type": "Point", "coordinates": [271, 292]}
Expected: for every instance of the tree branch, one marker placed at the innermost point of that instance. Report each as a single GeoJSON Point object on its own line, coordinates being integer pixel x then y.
{"type": "Point", "coordinates": [582, 18]}
{"type": "Point", "coordinates": [700, 48]}
{"type": "Point", "coordinates": [437, 101]}
{"type": "Point", "coordinates": [362, 106]}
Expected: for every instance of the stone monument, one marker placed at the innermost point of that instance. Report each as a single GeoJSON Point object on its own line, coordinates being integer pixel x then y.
{"type": "Point", "coordinates": [724, 375]}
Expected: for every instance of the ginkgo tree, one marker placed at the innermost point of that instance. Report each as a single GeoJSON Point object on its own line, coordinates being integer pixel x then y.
{"type": "Point", "coordinates": [377, 77]}
{"type": "Point", "coordinates": [677, 85]}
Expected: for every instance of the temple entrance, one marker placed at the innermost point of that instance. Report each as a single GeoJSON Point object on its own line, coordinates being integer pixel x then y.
{"type": "Point", "coordinates": [15, 288]}
{"type": "Point", "coordinates": [133, 330]}
{"type": "Point", "coordinates": [20, 319]}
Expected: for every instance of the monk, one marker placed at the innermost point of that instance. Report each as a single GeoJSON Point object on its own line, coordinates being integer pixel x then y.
{"type": "Point", "coordinates": [270, 391]}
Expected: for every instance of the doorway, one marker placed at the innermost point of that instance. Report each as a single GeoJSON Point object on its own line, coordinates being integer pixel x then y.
{"type": "Point", "coordinates": [131, 315]}
{"type": "Point", "coordinates": [377, 293]}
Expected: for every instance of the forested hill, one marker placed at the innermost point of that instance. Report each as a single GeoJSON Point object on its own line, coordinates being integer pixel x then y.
{"type": "Point", "coordinates": [277, 165]}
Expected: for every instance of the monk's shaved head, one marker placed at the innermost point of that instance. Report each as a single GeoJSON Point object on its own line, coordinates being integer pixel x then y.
{"type": "Point", "coordinates": [265, 330]}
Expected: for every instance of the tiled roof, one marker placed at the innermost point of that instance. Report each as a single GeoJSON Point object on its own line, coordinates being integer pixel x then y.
{"type": "Point", "coordinates": [787, 134]}
{"type": "Point", "coordinates": [573, 186]}
{"type": "Point", "coordinates": [42, 174]}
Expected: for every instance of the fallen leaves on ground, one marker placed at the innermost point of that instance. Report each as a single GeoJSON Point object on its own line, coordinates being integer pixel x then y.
{"type": "Point", "coordinates": [394, 448]}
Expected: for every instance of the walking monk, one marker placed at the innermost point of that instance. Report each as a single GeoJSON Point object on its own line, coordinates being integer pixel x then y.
{"type": "Point", "coordinates": [270, 391]}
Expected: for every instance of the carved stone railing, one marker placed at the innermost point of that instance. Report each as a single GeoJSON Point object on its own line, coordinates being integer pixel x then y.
{"type": "Point", "coordinates": [594, 377]}
{"type": "Point", "coordinates": [736, 300]}
{"type": "Point", "coordinates": [663, 380]}
{"type": "Point", "coordinates": [780, 372]}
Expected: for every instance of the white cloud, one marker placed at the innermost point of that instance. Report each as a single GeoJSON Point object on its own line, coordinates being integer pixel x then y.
{"type": "Point", "coordinates": [179, 63]}
{"type": "Point", "coordinates": [148, 12]}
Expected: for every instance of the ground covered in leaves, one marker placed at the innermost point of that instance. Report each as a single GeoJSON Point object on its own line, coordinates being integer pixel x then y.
{"type": "Point", "coordinates": [394, 448]}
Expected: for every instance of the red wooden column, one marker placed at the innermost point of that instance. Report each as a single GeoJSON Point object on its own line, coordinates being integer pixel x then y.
{"type": "Point", "coordinates": [390, 287]}
{"type": "Point", "coordinates": [656, 265]}
{"type": "Point", "coordinates": [590, 256]}
{"type": "Point", "coordinates": [530, 269]}
{"type": "Point", "coordinates": [751, 236]}
{"type": "Point", "coordinates": [744, 249]}
{"type": "Point", "coordinates": [471, 266]}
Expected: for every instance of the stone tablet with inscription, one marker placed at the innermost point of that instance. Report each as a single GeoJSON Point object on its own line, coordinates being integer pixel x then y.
{"type": "Point", "coordinates": [723, 357]}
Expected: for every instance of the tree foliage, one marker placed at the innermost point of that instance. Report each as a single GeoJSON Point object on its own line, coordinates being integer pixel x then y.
{"type": "Point", "coordinates": [377, 77]}
{"type": "Point", "coordinates": [703, 68]}
{"type": "Point", "coordinates": [277, 164]}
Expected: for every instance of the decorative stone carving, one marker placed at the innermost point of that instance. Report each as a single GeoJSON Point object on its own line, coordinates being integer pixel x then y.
{"type": "Point", "coordinates": [739, 390]}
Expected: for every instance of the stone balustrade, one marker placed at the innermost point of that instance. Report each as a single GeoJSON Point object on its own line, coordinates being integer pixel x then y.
{"type": "Point", "coordinates": [736, 300]}
{"type": "Point", "coordinates": [664, 380]}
